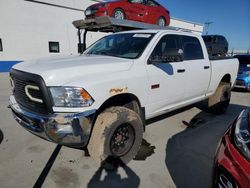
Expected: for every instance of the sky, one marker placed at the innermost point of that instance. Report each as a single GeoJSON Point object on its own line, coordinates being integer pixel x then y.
{"type": "Point", "coordinates": [230, 18]}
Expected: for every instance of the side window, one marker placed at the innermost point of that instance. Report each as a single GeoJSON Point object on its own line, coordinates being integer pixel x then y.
{"type": "Point", "coordinates": [151, 3]}
{"type": "Point", "coordinates": [192, 48]}
{"type": "Point", "coordinates": [1, 45]}
{"type": "Point", "coordinates": [137, 1]}
{"type": "Point", "coordinates": [54, 47]}
{"type": "Point", "coordinates": [165, 46]}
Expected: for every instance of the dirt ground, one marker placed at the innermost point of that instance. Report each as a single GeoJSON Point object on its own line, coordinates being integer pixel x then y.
{"type": "Point", "coordinates": [172, 154]}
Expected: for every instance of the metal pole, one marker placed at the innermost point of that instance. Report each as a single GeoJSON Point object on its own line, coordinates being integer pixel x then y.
{"type": "Point", "coordinates": [84, 40]}
{"type": "Point", "coordinates": [79, 41]}
{"type": "Point", "coordinates": [207, 26]}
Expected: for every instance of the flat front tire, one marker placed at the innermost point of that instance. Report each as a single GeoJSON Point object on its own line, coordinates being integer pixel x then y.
{"type": "Point", "coordinates": [117, 133]}
{"type": "Point", "coordinates": [219, 101]}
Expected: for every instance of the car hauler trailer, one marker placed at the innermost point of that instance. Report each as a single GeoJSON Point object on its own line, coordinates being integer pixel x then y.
{"type": "Point", "coordinates": [109, 24]}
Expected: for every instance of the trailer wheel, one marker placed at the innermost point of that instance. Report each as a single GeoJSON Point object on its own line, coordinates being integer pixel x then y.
{"type": "Point", "coordinates": [161, 21]}
{"type": "Point", "coordinates": [117, 133]}
{"type": "Point", "coordinates": [119, 14]}
{"type": "Point", "coordinates": [219, 101]}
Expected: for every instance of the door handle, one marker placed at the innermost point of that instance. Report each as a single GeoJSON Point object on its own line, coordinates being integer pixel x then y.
{"type": "Point", "coordinates": [206, 67]}
{"type": "Point", "coordinates": [181, 70]}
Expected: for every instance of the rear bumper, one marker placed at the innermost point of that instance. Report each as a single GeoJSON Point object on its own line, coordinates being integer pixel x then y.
{"type": "Point", "coordinates": [70, 129]}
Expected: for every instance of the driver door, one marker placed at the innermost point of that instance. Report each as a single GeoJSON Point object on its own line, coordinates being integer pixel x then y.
{"type": "Point", "coordinates": [166, 79]}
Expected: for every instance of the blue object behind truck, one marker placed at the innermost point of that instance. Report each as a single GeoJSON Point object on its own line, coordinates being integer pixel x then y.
{"type": "Point", "coordinates": [243, 78]}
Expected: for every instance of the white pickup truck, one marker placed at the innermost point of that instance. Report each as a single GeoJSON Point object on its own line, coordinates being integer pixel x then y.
{"type": "Point", "coordinates": [101, 98]}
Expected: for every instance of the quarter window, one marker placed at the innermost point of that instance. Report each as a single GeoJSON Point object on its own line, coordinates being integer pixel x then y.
{"type": "Point", "coordinates": [54, 47]}
{"type": "Point", "coordinates": [192, 48]}
{"type": "Point", "coordinates": [1, 45]}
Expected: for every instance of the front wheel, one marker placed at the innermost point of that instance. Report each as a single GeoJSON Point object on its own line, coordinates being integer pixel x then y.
{"type": "Point", "coordinates": [119, 14]}
{"type": "Point", "coordinates": [161, 22]}
{"type": "Point", "coordinates": [117, 133]}
{"type": "Point", "coordinates": [219, 101]}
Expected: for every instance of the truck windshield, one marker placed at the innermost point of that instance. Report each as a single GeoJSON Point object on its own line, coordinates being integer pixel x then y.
{"type": "Point", "coordinates": [124, 45]}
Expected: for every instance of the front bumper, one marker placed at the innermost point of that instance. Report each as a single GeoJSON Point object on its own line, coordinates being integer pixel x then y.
{"type": "Point", "coordinates": [230, 164]}
{"type": "Point", "coordinates": [242, 83]}
{"type": "Point", "coordinates": [70, 129]}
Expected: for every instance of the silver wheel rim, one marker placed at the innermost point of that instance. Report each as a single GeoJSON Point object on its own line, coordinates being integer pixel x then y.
{"type": "Point", "coordinates": [119, 15]}
{"type": "Point", "coordinates": [161, 22]}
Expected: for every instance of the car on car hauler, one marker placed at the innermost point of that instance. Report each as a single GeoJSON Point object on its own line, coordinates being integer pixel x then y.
{"type": "Point", "coordinates": [147, 11]}
{"type": "Point", "coordinates": [101, 98]}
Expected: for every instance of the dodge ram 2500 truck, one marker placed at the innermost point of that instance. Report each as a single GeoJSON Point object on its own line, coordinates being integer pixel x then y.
{"type": "Point", "coordinates": [101, 98]}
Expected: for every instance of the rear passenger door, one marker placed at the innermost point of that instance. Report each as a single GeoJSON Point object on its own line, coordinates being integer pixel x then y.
{"type": "Point", "coordinates": [198, 68]}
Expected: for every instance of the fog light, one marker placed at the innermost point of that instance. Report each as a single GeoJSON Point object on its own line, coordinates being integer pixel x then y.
{"type": "Point", "coordinates": [64, 129]}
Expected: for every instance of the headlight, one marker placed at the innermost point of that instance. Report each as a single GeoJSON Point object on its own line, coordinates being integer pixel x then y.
{"type": "Point", "coordinates": [70, 97]}
{"type": "Point", "coordinates": [242, 134]}
{"type": "Point", "coordinates": [102, 5]}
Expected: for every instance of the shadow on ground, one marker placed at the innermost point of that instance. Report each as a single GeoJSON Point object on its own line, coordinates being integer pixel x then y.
{"type": "Point", "coordinates": [189, 154]}
{"type": "Point", "coordinates": [1, 136]}
{"type": "Point", "coordinates": [112, 177]}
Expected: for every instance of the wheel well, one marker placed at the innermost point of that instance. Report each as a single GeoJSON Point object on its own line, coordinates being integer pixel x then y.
{"type": "Point", "coordinates": [127, 100]}
{"type": "Point", "coordinates": [226, 78]}
{"type": "Point", "coordinates": [161, 17]}
{"type": "Point", "coordinates": [118, 8]}
{"type": "Point", "coordinates": [121, 100]}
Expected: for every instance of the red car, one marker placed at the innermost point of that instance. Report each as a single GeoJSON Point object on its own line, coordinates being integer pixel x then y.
{"type": "Point", "coordinates": [232, 161]}
{"type": "Point", "coordinates": [147, 11]}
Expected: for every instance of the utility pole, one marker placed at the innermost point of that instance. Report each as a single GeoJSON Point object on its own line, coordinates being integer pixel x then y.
{"type": "Point", "coordinates": [207, 24]}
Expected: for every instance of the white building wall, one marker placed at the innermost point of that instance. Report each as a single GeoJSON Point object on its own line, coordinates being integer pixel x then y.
{"type": "Point", "coordinates": [27, 27]}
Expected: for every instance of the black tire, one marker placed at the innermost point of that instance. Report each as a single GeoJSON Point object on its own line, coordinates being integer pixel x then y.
{"type": "Point", "coordinates": [161, 21]}
{"type": "Point", "coordinates": [117, 133]}
{"type": "Point", "coordinates": [219, 101]}
{"type": "Point", "coordinates": [119, 14]}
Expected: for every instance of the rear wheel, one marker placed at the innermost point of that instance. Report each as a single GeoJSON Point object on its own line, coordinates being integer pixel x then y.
{"type": "Point", "coordinates": [117, 133]}
{"type": "Point", "coordinates": [119, 14]}
{"type": "Point", "coordinates": [219, 101]}
{"type": "Point", "coordinates": [161, 22]}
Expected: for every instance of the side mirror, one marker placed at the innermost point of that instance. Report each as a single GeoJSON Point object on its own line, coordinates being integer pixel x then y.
{"type": "Point", "coordinates": [170, 56]}
{"type": "Point", "coordinates": [173, 55]}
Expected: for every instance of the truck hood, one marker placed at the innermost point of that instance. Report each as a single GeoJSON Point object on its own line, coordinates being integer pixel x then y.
{"type": "Point", "coordinates": [62, 70]}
